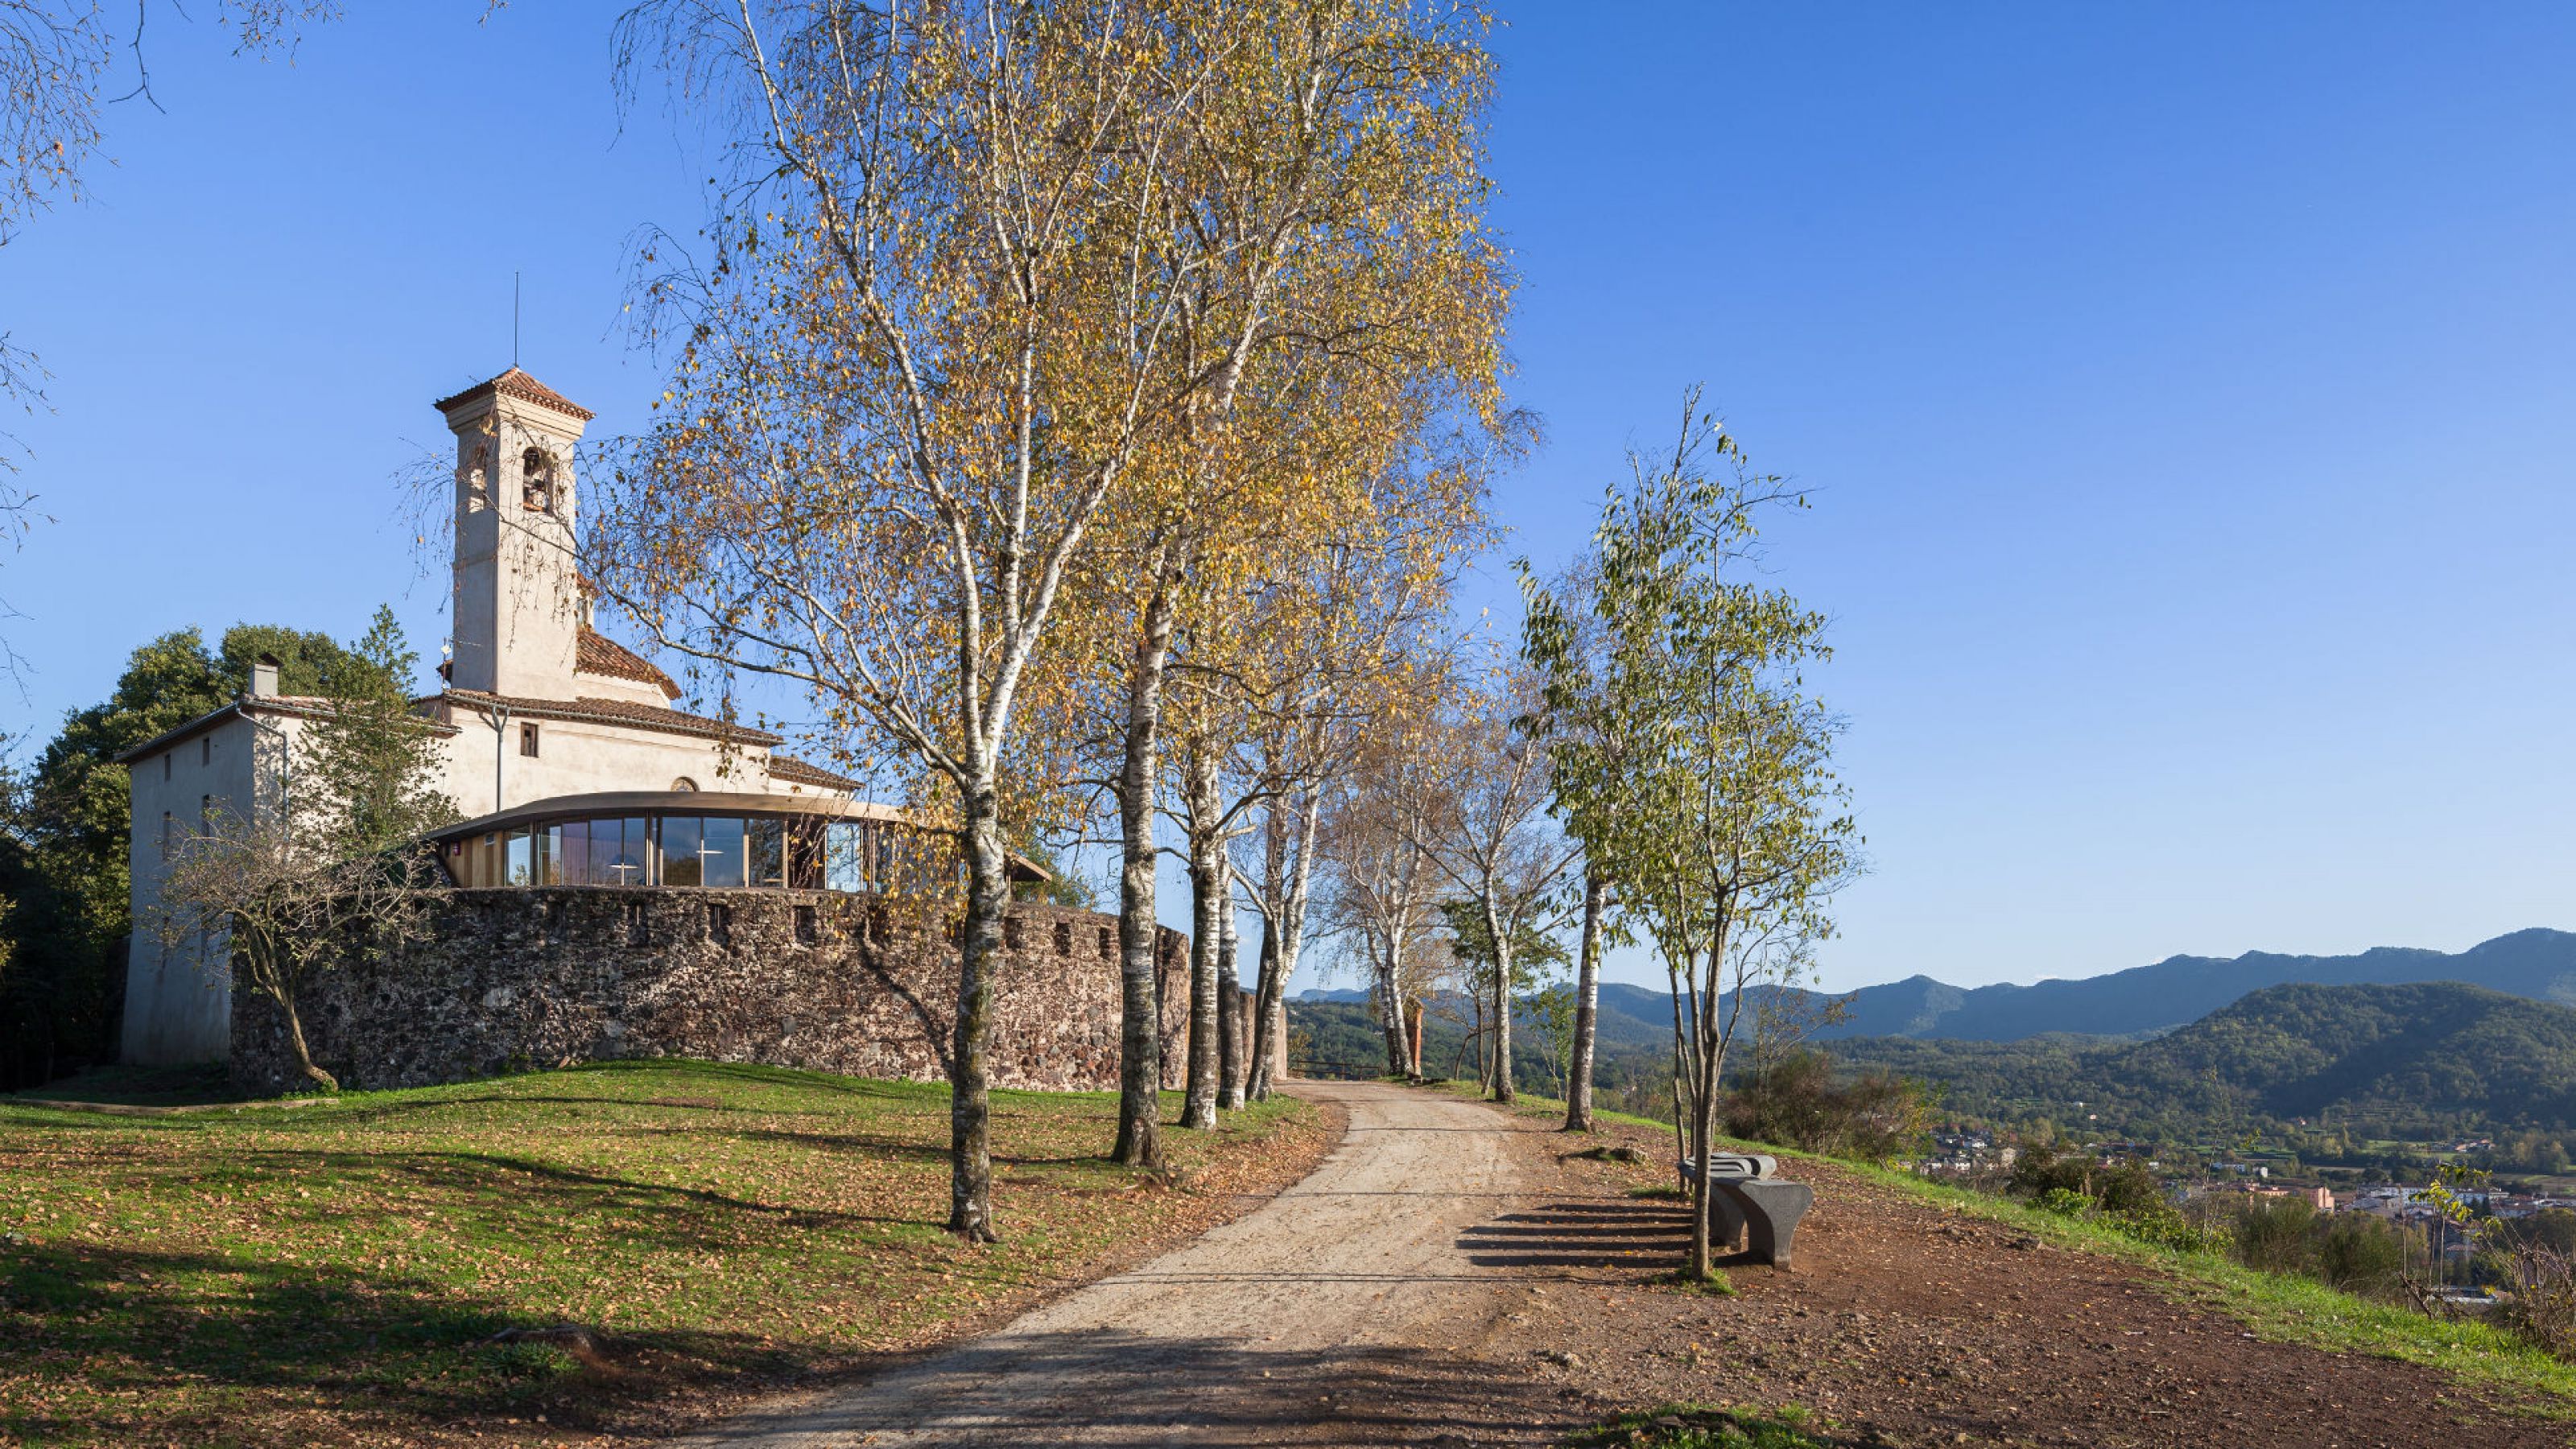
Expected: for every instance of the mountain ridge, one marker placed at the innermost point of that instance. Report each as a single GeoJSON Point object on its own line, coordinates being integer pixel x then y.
{"type": "Point", "coordinates": [2408, 1059]}
{"type": "Point", "coordinates": [2538, 964]}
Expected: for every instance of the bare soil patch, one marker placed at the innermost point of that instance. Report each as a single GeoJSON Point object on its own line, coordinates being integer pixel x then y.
{"type": "Point", "coordinates": [1908, 1324]}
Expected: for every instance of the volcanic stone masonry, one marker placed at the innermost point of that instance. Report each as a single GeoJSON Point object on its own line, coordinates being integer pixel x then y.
{"type": "Point", "coordinates": [513, 980]}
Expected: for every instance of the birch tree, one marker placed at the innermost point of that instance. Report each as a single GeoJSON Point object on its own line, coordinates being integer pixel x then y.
{"type": "Point", "coordinates": [1489, 838]}
{"type": "Point", "coordinates": [1563, 639]}
{"type": "Point", "coordinates": [1336, 173]}
{"type": "Point", "coordinates": [937, 326]}
{"type": "Point", "coordinates": [1379, 891]}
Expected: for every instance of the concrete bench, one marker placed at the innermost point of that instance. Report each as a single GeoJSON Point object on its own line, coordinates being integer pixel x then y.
{"type": "Point", "coordinates": [1748, 1201]}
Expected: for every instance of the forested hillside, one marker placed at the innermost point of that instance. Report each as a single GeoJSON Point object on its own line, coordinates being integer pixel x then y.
{"type": "Point", "coordinates": [2345, 1064]}
{"type": "Point", "coordinates": [2327, 1070]}
{"type": "Point", "coordinates": [2537, 964]}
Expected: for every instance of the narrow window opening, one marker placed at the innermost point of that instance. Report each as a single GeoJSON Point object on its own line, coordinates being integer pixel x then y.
{"type": "Point", "coordinates": [206, 750]}
{"type": "Point", "coordinates": [638, 933]}
{"type": "Point", "coordinates": [1106, 950]}
{"type": "Point", "coordinates": [555, 921]}
{"type": "Point", "coordinates": [808, 931]}
{"type": "Point", "coordinates": [1011, 932]}
{"type": "Point", "coordinates": [168, 828]}
{"type": "Point", "coordinates": [1064, 938]}
{"type": "Point", "coordinates": [720, 924]}
{"type": "Point", "coordinates": [528, 740]}
{"type": "Point", "coordinates": [166, 757]}
{"type": "Point", "coordinates": [478, 488]}
{"type": "Point", "coordinates": [877, 924]}
{"type": "Point", "coordinates": [536, 481]}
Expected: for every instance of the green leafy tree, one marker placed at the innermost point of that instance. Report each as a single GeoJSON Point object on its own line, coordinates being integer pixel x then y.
{"type": "Point", "coordinates": [64, 827]}
{"type": "Point", "coordinates": [1535, 951]}
{"type": "Point", "coordinates": [1588, 749]}
{"type": "Point", "coordinates": [1720, 820]}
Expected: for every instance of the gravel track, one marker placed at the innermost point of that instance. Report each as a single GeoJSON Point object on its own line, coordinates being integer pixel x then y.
{"type": "Point", "coordinates": [1301, 1322]}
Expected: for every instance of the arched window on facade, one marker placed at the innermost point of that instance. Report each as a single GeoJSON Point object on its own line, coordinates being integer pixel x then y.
{"type": "Point", "coordinates": [684, 783]}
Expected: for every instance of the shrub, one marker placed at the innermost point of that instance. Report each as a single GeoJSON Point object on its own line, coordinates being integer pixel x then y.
{"type": "Point", "coordinates": [2066, 1202]}
{"type": "Point", "coordinates": [2163, 1226]}
{"type": "Point", "coordinates": [2542, 1310]}
{"type": "Point", "coordinates": [2126, 1187]}
{"type": "Point", "coordinates": [2275, 1235]}
{"type": "Point", "coordinates": [1796, 1102]}
{"type": "Point", "coordinates": [2360, 1254]}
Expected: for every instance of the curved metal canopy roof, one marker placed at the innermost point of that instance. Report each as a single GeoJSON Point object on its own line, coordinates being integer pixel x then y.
{"type": "Point", "coordinates": [707, 802]}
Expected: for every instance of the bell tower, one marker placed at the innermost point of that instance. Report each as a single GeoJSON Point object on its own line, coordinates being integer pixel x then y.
{"type": "Point", "coordinates": [518, 608]}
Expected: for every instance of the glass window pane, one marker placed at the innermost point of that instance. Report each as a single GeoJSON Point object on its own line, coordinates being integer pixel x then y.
{"type": "Point", "coordinates": [721, 849]}
{"type": "Point", "coordinates": [604, 848]}
{"type": "Point", "coordinates": [805, 854]}
{"type": "Point", "coordinates": [625, 849]}
{"type": "Point", "coordinates": [680, 858]}
{"type": "Point", "coordinates": [766, 841]}
{"type": "Point", "coordinates": [521, 868]}
{"type": "Point", "coordinates": [845, 857]}
{"type": "Point", "coordinates": [573, 854]}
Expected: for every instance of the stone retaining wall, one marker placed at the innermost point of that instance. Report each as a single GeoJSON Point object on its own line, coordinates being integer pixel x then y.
{"type": "Point", "coordinates": [511, 980]}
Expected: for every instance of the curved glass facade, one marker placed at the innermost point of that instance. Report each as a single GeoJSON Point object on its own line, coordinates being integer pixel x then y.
{"type": "Point", "coordinates": [727, 851]}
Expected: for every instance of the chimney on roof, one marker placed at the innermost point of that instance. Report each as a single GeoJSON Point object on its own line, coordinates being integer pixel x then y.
{"type": "Point", "coordinates": [263, 677]}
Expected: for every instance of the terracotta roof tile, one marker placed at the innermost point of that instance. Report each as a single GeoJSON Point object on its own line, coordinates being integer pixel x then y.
{"type": "Point", "coordinates": [613, 711]}
{"type": "Point", "coordinates": [517, 384]}
{"type": "Point", "coordinates": [307, 706]}
{"type": "Point", "coordinates": [596, 653]}
{"type": "Point", "coordinates": [798, 772]}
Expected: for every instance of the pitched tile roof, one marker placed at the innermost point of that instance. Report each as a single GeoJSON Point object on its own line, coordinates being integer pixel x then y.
{"type": "Point", "coordinates": [596, 653]}
{"type": "Point", "coordinates": [517, 384]}
{"type": "Point", "coordinates": [305, 706]}
{"type": "Point", "coordinates": [610, 711]}
{"type": "Point", "coordinates": [798, 772]}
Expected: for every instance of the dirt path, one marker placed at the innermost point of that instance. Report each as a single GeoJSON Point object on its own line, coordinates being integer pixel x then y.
{"type": "Point", "coordinates": [1453, 1277]}
{"type": "Point", "coordinates": [1271, 1329]}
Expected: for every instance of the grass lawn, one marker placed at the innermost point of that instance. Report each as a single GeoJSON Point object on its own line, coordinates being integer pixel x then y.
{"type": "Point", "coordinates": [2275, 1306]}
{"type": "Point", "coordinates": [321, 1275]}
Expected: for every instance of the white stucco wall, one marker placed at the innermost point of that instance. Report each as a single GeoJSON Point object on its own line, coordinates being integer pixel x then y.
{"type": "Point", "coordinates": [178, 996]}
{"type": "Point", "coordinates": [517, 620]}
{"type": "Point", "coordinates": [518, 604]}
{"type": "Point", "coordinates": [580, 758]}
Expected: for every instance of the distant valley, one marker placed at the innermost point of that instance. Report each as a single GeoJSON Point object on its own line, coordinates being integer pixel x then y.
{"type": "Point", "coordinates": [2340, 1057]}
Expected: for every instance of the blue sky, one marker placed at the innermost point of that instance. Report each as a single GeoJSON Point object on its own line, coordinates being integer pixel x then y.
{"type": "Point", "coordinates": [2186, 392]}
